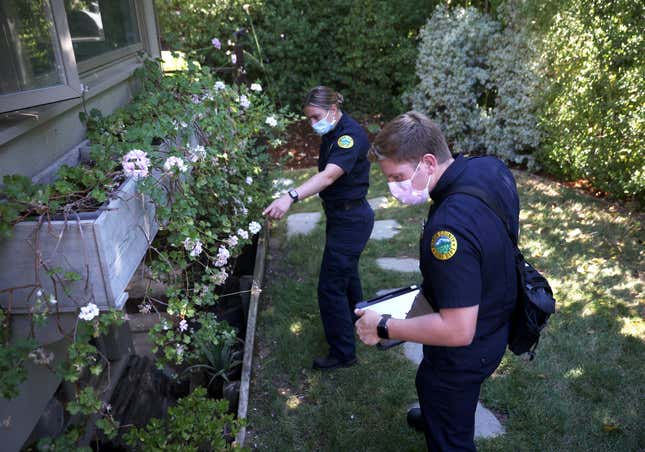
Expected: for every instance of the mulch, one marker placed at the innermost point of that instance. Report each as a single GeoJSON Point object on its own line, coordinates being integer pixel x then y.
{"type": "Point", "coordinates": [302, 146]}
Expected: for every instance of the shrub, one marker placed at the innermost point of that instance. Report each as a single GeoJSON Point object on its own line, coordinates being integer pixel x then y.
{"type": "Point", "coordinates": [196, 423]}
{"type": "Point", "coordinates": [365, 49]}
{"type": "Point", "coordinates": [476, 81]}
{"type": "Point", "coordinates": [593, 109]}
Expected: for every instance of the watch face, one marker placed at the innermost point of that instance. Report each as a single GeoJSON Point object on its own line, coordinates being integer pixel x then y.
{"type": "Point", "coordinates": [293, 194]}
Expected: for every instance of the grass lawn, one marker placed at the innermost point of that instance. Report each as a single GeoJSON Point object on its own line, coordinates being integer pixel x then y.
{"type": "Point", "coordinates": [584, 391]}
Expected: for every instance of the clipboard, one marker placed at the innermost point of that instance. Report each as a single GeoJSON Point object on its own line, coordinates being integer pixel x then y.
{"type": "Point", "coordinates": [396, 303]}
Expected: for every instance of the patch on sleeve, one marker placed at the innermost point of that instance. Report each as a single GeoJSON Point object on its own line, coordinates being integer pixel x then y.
{"type": "Point", "coordinates": [443, 245]}
{"type": "Point", "coordinates": [345, 142]}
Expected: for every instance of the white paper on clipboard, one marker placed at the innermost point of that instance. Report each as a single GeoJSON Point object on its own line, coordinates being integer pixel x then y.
{"type": "Point", "coordinates": [398, 306]}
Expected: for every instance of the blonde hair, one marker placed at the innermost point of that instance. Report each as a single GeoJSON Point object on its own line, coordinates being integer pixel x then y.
{"type": "Point", "coordinates": [323, 97]}
{"type": "Point", "coordinates": [407, 138]}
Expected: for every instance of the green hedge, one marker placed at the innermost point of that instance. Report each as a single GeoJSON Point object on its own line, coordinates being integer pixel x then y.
{"type": "Point", "coordinates": [366, 49]}
{"type": "Point", "coordinates": [594, 108]}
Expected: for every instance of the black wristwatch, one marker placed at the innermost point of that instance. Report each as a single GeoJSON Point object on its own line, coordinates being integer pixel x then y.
{"type": "Point", "coordinates": [381, 329]}
{"type": "Point", "coordinates": [293, 194]}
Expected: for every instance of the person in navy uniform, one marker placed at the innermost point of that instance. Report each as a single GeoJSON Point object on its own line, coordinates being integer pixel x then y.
{"type": "Point", "coordinates": [342, 183]}
{"type": "Point", "coordinates": [468, 268]}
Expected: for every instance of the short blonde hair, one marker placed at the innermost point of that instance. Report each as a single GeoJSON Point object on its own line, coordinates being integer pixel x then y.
{"type": "Point", "coordinates": [407, 138]}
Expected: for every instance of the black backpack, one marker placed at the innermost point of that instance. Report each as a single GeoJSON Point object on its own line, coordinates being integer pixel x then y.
{"type": "Point", "coordinates": [535, 302]}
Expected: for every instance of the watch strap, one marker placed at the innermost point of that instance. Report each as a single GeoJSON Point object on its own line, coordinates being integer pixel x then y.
{"type": "Point", "coordinates": [381, 329]}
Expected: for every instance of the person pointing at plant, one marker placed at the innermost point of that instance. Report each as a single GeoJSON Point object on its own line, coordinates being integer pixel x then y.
{"type": "Point", "coordinates": [342, 182]}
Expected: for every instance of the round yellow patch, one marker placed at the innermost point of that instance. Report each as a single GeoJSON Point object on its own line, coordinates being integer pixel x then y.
{"type": "Point", "coordinates": [345, 142]}
{"type": "Point", "coordinates": [443, 245]}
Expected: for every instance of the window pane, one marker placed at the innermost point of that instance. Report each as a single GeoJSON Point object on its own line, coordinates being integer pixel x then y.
{"type": "Point", "coordinates": [29, 59]}
{"type": "Point", "coordinates": [101, 26]}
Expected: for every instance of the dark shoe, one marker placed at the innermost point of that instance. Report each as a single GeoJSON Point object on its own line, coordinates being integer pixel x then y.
{"type": "Point", "coordinates": [415, 419]}
{"type": "Point", "coordinates": [331, 362]}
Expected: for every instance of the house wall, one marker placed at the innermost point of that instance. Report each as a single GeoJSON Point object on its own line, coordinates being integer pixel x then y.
{"type": "Point", "coordinates": [33, 140]}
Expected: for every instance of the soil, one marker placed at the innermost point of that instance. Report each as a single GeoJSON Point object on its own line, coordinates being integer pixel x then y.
{"type": "Point", "coordinates": [302, 146]}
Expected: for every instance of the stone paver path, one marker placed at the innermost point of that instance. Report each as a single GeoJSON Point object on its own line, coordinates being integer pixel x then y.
{"type": "Point", "coordinates": [378, 203]}
{"type": "Point", "coordinates": [302, 223]}
{"type": "Point", "coordinates": [385, 229]}
{"type": "Point", "coordinates": [486, 424]}
{"type": "Point", "coordinates": [404, 264]}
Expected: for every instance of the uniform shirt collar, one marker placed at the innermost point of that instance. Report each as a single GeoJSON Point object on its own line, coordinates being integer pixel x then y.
{"type": "Point", "coordinates": [449, 176]}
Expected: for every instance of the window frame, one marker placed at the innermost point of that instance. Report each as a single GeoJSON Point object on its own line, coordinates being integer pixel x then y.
{"type": "Point", "coordinates": [73, 72]}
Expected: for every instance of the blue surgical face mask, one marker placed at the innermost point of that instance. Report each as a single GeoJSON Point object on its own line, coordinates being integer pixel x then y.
{"type": "Point", "coordinates": [323, 126]}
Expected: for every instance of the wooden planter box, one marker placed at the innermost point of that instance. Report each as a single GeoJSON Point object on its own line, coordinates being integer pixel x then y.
{"type": "Point", "coordinates": [103, 247]}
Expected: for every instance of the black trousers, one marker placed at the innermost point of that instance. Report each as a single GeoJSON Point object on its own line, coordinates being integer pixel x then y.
{"type": "Point", "coordinates": [339, 284]}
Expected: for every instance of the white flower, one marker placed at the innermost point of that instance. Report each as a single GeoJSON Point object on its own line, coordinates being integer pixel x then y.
{"type": "Point", "coordinates": [271, 121]}
{"type": "Point", "coordinates": [39, 293]}
{"type": "Point", "coordinates": [219, 85]}
{"type": "Point", "coordinates": [233, 58]}
{"type": "Point", "coordinates": [180, 350]}
{"type": "Point", "coordinates": [41, 356]}
{"type": "Point", "coordinates": [52, 300]}
{"type": "Point", "coordinates": [172, 162]}
{"type": "Point", "coordinates": [249, 180]}
{"type": "Point", "coordinates": [88, 312]}
{"type": "Point", "coordinates": [256, 87]}
{"type": "Point", "coordinates": [164, 325]}
{"type": "Point", "coordinates": [194, 246]}
{"type": "Point", "coordinates": [222, 257]}
{"type": "Point", "coordinates": [232, 241]}
{"type": "Point", "coordinates": [183, 325]}
{"type": "Point", "coordinates": [135, 164]}
{"type": "Point", "coordinates": [249, 199]}
{"type": "Point", "coordinates": [196, 153]}
{"type": "Point", "coordinates": [254, 227]}
{"type": "Point", "coordinates": [245, 211]}
{"type": "Point", "coordinates": [244, 101]}
{"type": "Point", "coordinates": [219, 277]}
{"type": "Point", "coordinates": [242, 233]}
{"type": "Point", "coordinates": [145, 308]}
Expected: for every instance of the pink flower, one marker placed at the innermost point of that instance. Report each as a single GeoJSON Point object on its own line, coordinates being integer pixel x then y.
{"type": "Point", "coordinates": [216, 43]}
{"type": "Point", "coordinates": [135, 164]}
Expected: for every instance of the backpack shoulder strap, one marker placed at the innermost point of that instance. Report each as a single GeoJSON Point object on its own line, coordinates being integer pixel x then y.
{"type": "Point", "coordinates": [486, 199]}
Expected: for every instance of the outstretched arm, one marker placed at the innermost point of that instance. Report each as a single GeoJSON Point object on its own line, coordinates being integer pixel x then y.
{"type": "Point", "coordinates": [315, 184]}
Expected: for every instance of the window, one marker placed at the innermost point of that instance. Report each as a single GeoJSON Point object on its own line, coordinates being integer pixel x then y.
{"type": "Point", "coordinates": [101, 27]}
{"type": "Point", "coordinates": [45, 44]}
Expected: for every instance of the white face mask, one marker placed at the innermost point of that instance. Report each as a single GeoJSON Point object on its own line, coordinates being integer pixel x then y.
{"type": "Point", "coordinates": [323, 126]}
{"type": "Point", "coordinates": [406, 194]}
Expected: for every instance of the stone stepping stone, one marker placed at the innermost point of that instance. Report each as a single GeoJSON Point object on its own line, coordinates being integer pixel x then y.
{"type": "Point", "coordinates": [380, 202]}
{"type": "Point", "coordinates": [385, 229]}
{"type": "Point", "coordinates": [486, 424]}
{"type": "Point", "coordinates": [302, 223]}
{"type": "Point", "coordinates": [406, 264]}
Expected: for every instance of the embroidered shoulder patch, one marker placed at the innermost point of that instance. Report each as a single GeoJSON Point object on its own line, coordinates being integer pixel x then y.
{"type": "Point", "coordinates": [345, 142]}
{"type": "Point", "coordinates": [443, 245]}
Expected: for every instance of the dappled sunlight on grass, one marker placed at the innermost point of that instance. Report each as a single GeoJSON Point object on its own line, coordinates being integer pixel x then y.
{"type": "Point", "coordinates": [296, 328]}
{"type": "Point", "coordinates": [582, 391]}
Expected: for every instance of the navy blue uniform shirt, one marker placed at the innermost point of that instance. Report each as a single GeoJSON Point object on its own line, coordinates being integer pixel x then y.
{"type": "Point", "coordinates": [467, 258]}
{"type": "Point", "coordinates": [346, 146]}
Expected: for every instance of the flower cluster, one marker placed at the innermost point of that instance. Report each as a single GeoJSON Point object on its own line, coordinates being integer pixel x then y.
{"type": "Point", "coordinates": [254, 227]}
{"type": "Point", "coordinates": [222, 257]}
{"type": "Point", "coordinates": [88, 312]}
{"type": "Point", "coordinates": [136, 164]}
{"type": "Point", "coordinates": [193, 246]}
{"type": "Point", "coordinates": [175, 162]}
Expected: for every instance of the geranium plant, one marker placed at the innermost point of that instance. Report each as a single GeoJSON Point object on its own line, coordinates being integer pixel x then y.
{"type": "Point", "coordinates": [196, 148]}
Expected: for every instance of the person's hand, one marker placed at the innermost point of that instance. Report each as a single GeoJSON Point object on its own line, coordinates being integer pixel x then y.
{"type": "Point", "coordinates": [366, 326]}
{"type": "Point", "coordinates": [278, 208]}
